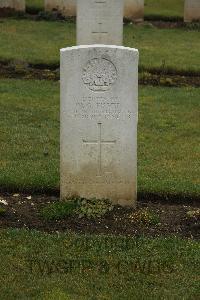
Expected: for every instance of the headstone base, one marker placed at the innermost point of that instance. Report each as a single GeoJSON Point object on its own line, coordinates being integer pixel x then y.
{"type": "Point", "coordinates": [192, 11]}
{"type": "Point", "coordinates": [17, 5]}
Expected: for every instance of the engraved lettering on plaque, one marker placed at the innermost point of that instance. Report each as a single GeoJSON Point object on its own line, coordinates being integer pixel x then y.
{"type": "Point", "coordinates": [99, 74]}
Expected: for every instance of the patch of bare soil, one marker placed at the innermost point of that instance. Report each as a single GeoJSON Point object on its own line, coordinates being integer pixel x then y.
{"type": "Point", "coordinates": [20, 70]}
{"type": "Point", "coordinates": [6, 11]}
{"type": "Point", "coordinates": [165, 24]}
{"type": "Point", "coordinates": [23, 211]}
{"type": "Point", "coordinates": [169, 80]}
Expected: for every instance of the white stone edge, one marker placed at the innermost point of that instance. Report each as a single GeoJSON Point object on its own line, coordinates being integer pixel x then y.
{"type": "Point", "coordinates": [98, 46]}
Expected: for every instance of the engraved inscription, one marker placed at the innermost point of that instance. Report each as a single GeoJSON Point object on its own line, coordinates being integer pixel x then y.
{"type": "Point", "coordinates": [97, 180]}
{"type": "Point", "coordinates": [100, 107]}
{"type": "Point", "coordinates": [99, 74]}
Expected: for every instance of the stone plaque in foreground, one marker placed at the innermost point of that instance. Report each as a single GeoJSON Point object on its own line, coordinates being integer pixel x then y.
{"type": "Point", "coordinates": [18, 5]}
{"type": "Point", "coordinates": [192, 10]}
{"type": "Point", "coordinates": [100, 22]}
{"type": "Point", "coordinates": [99, 114]}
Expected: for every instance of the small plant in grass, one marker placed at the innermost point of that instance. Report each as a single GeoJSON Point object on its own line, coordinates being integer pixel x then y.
{"type": "Point", "coordinates": [45, 15]}
{"type": "Point", "coordinates": [194, 214]}
{"type": "Point", "coordinates": [58, 210]}
{"type": "Point", "coordinates": [192, 26]}
{"type": "Point", "coordinates": [50, 16]}
{"type": "Point", "coordinates": [89, 208]}
{"type": "Point", "coordinates": [93, 208]}
{"type": "Point", "coordinates": [145, 217]}
{"type": "Point", "coordinates": [2, 211]}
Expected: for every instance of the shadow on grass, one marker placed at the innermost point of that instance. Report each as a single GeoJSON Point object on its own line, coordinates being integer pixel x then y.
{"type": "Point", "coordinates": [189, 199]}
{"type": "Point", "coordinates": [144, 196]}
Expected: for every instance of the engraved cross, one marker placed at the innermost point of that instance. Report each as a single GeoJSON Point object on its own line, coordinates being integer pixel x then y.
{"type": "Point", "coordinates": [99, 143]}
{"type": "Point", "coordinates": [100, 31]}
{"type": "Point", "coordinates": [100, 1]}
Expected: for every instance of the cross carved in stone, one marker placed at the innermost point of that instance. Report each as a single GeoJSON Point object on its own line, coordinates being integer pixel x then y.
{"type": "Point", "coordinates": [100, 31]}
{"type": "Point", "coordinates": [99, 142]}
{"type": "Point", "coordinates": [100, 1]}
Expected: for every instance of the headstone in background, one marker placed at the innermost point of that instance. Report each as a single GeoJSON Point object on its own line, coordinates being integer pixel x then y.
{"type": "Point", "coordinates": [65, 7]}
{"type": "Point", "coordinates": [99, 115]}
{"type": "Point", "coordinates": [192, 10]}
{"type": "Point", "coordinates": [134, 10]}
{"type": "Point", "coordinates": [17, 5]}
{"type": "Point", "coordinates": [99, 22]}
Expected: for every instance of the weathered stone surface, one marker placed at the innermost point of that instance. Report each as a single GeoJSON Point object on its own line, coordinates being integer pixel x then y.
{"type": "Point", "coordinates": [192, 10]}
{"type": "Point", "coordinates": [99, 114]}
{"type": "Point", "coordinates": [134, 10]}
{"type": "Point", "coordinates": [65, 7]}
{"type": "Point", "coordinates": [18, 5]}
{"type": "Point", "coordinates": [99, 22]}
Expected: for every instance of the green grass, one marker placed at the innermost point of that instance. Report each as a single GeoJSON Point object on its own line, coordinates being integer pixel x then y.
{"type": "Point", "coordinates": [29, 119]}
{"type": "Point", "coordinates": [58, 210]}
{"type": "Point", "coordinates": [34, 6]}
{"type": "Point", "coordinates": [37, 266]}
{"type": "Point", "coordinates": [36, 42]}
{"type": "Point", "coordinates": [164, 8]}
{"type": "Point", "coordinates": [169, 47]}
{"type": "Point", "coordinates": [168, 159]}
{"type": "Point", "coordinates": [40, 42]}
{"type": "Point", "coordinates": [2, 211]}
{"type": "Point", "coordinates": [169, 140]}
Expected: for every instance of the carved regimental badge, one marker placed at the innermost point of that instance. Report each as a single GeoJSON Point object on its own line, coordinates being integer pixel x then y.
{"type": "Point", "coordinates": [99, 74]}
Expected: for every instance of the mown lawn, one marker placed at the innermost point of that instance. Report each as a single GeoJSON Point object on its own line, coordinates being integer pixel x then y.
{"type": "Point", "coordinates": [34, 5]}
{"type": "Point", "coordinates": [163, 8]}
{"type": "Point", "coordinates": [68, 266]}
{"type": "Point", "coordinates": [40, 42]}
{"type": "Point", "coordinates": [168, 147]}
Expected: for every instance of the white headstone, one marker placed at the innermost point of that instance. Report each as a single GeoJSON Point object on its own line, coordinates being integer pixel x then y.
{"type": "Point", "coordinates": [65, 7]}
{"type": "Point", "coordinates": [134, 10]}
{"type": "Point", "coordinates": [18, 5]}
{"type": "Point", "coordinates": [99, 114]}
{"type": "Point", "coordinates": [192, 10]}
{"type": "Point", "coordinates": [100, 22]}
